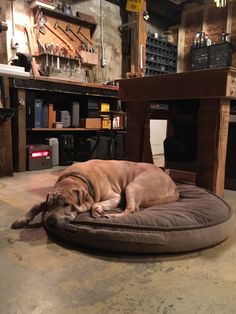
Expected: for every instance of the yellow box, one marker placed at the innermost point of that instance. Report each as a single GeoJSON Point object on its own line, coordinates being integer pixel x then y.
{"type": "Point", "coordinates": [106, 122]}
{"type": "Point", "coordinates": [105, 107]}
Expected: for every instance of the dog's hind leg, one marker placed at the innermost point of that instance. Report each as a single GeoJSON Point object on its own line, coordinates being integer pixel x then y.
{"type": "Point", "coordinates": [148, 188]}
{"type": "Point", "coordinates": [24, 221]}
{"type": "Point", "coordinates": [131, 190]}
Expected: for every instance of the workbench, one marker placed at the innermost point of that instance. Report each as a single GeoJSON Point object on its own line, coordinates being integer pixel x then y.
{"type": "Point", "coordinates": [211, 92]}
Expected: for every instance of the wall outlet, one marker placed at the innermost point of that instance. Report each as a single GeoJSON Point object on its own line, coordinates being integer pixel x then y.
{"type": "Point", "coordinates": [103, 62]}
{"type": "Point", "coordinates": [14, 43]}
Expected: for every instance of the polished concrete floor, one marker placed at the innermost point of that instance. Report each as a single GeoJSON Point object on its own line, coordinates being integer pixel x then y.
{"type": "Point", "coordinates": [40, 276]}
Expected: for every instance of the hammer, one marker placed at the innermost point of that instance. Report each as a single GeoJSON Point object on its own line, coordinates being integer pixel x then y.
{"type": "Point", "coordinates": [85, 37]}
{"type": "Point", "coordinates": [68, 29]}
{"type": "Point", "coordinates": [58, 26]}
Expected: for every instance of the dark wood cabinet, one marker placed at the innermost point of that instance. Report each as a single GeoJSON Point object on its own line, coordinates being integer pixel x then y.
{"type": "Point", "coordinates": [59, 93]}
{"type": "Point", "coordinates": [6, 164]}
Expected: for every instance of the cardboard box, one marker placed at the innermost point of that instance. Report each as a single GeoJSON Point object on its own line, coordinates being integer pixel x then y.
{"type": "Point", "coordinates": [91, 123]}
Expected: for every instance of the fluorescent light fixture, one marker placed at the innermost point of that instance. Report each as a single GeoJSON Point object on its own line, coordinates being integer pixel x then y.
{"type": "Point", "coordinates": [221, 3]}
{"type": "Point", "coordinates": [13, 71]}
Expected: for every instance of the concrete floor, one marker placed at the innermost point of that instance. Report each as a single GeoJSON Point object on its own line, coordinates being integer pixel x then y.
{"type": "Point", "coordinates": [40, 276]}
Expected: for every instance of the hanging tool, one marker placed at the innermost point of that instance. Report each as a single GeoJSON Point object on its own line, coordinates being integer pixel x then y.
{"type": "Point", "coordinates": [87, 76]}
{"type": "Point", "coordinates": [64, 52]}
{"type": "Point", "coordinates": [68, 29]}
{"type": "Point", "coordinates": [43, 48]}
{"type": "Point", "coordinates": [57, 53]}
{"type": "Point", "coordinates": [85, 37]}
{"type": "Point", "coordinates": [41, 24]}
{"type": "Point", "coordinates": [49, 48]}
{"type": "Point", "coordinates": [58, 35]}
{"type": "Point", "coordinates": [62, 29]}
{"type": "Point", "coordinates": [52, 58]}
{"type": "Point", "coordinates": [47, 70]}
{"type": "Point", "coordinates": [68, 65]}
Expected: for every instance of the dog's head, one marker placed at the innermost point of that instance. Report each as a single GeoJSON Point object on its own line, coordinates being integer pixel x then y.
{"type": "Point", "coordinates": [69, 198]}
{"type": "Point", "coordinates": [77, 199]}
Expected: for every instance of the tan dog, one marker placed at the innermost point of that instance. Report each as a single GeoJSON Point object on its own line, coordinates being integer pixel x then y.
{"type": "Point", "coordinates": [98, 185]}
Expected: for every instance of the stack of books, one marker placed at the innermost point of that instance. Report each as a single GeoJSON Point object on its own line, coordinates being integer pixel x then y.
{"type": "Point", "coordinates": [41, 115]}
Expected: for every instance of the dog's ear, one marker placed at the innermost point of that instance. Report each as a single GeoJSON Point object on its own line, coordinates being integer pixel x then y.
{"type": "Point", "coordinates": [52, 199]}
{"type": "Point", "coordinates": [82, 196]}
{"type": "Point", "coordinates": [83, 202]}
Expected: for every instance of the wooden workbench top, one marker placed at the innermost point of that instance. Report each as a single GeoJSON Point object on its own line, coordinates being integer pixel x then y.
{"type": "Point", "coordinates": [211, 83]}
{"type": "Point", "coordinates": [52, 84]}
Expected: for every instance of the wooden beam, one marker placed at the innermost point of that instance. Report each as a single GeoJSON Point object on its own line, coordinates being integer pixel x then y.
{"type": "Point", "coordinates": [181, 40]}
{"type": "Point", "coordinates": [229, 18]}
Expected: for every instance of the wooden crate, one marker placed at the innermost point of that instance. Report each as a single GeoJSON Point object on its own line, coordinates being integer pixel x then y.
{"type": "Point", "coordinates": [90, 58]}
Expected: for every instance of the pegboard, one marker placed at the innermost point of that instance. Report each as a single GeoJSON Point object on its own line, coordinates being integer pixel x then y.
{"type": "Point", "coordinates": [61, 38]}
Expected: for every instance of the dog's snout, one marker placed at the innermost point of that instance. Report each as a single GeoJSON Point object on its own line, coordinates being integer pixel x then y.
{"type": "Point", "coordinates": [53, 221]}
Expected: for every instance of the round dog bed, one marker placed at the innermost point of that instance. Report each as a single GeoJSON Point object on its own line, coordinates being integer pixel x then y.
{"type": "Point", "coordinates": [199, 219]}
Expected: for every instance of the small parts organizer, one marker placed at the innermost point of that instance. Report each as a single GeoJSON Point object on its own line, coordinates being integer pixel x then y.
{"type": "Point", "coordinates": [161, 55]}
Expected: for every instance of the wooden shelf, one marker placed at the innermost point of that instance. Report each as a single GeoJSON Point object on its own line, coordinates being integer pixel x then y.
{"type": "Point", "coordinates": [82, 18]}
{"type": "Point", "coordinates": [13, 71]}
{"type": "Point", "coordinates": [61, 129]}
{"type": "Point", "coordinates": [68, 129]}
{"type": "Point", "coordinates": [89, 58]}
{"type": "Point", "coordinates": [113, 113]}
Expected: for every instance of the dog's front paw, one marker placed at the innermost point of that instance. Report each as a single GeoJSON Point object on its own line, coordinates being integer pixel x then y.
{"type": "Point", "coordinates": [20, 223]}
{"type": "Point", "coordinates": [97, 212]}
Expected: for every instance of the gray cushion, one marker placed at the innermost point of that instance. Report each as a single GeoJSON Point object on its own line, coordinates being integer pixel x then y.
{"type": "Point", "coordinates": [197, 220]}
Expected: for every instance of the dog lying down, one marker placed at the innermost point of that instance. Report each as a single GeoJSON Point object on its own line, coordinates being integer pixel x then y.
{"type": "Point", "coordinates": [99, 186]}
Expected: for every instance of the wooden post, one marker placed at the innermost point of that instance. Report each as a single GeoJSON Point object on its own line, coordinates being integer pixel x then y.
{"type": "Point", "coordinates": [6, 165]}
{"type": "Point", "coordinates": [138, 42]}
{"type": "Point", "coordinates": [213, 124]}
{"type": "Point", "coordinates": [19, 130]}
{"type": "Point", "coordinates": [138, 132]}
